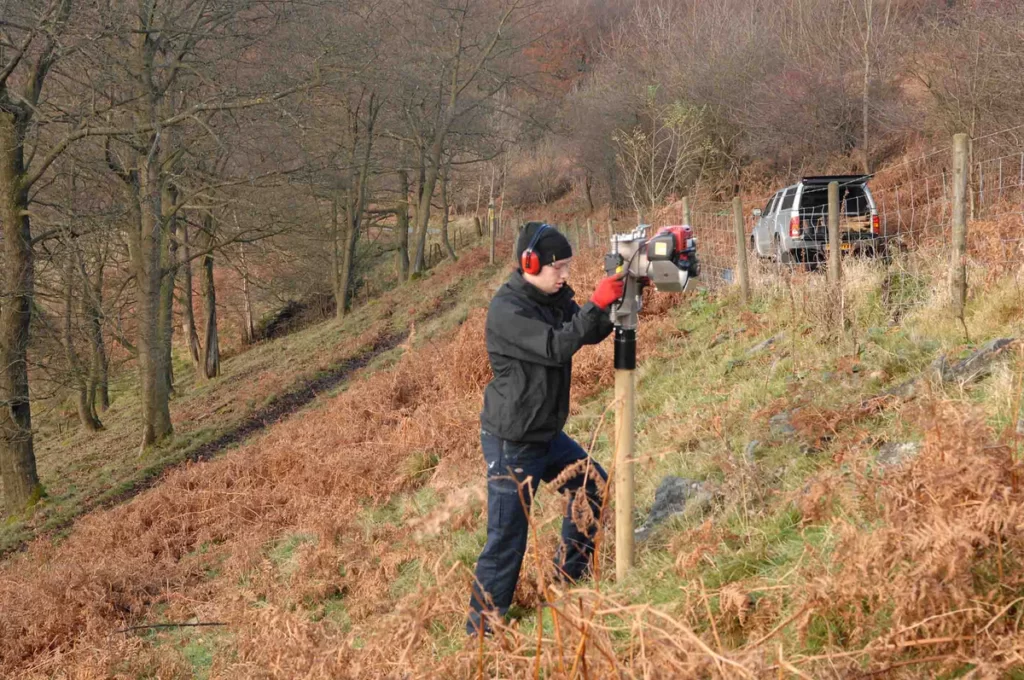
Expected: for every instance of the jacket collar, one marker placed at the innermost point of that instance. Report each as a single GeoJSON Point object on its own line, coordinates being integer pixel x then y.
{"type": "Point", "coordinates": [520, 285]}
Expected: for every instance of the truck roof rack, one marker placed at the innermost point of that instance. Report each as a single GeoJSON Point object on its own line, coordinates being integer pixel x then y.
{"type": "Point", "coordinates": [816, 180]}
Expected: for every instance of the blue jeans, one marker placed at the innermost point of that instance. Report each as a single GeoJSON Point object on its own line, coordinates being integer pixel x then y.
{"type": "Point", "coordinates": [510, 464]}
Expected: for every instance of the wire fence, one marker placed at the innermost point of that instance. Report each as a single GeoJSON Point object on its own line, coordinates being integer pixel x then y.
{"type": "Point", "coordinates": [903, 229]}
{"type": "Point", "coordinates": [900, 230]}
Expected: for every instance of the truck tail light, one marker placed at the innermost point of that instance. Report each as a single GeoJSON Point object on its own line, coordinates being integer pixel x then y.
{"type": "Point", "coordinates": [876, 225]}
{"type": "Point", "coordinates": [794, 226]}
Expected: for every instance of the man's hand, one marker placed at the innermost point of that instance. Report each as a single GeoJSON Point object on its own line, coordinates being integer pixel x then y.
{"type": "Point", "coordinates": [608, 290]}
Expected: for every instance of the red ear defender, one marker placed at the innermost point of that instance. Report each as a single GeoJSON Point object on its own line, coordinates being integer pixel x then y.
{"type": "Point", "coordinates": [529, 261]}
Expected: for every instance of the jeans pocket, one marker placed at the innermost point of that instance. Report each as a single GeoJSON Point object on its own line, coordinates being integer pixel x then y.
{"type": "Point", "coordinates": [522, 452]}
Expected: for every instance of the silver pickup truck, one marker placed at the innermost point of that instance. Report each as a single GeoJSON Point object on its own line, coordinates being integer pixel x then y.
{"type": "Point", "coordinates": [793, 227]}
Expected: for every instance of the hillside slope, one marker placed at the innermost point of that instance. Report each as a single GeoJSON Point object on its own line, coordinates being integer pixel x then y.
{"type": "Point", "coordinates": [340, 543]}
{"type": "Point", "coordinates": [271, 380]}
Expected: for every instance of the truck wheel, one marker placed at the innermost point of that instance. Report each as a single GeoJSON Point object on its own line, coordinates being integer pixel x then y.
{"type": "Point", "coordinates": [779, 255]}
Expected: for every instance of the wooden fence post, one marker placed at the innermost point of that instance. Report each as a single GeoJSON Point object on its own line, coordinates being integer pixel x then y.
{"type": "Point", "coordinates": [835, 271]}
{"type": "Point", "coordinates": [492, 226]}
{"type": "Point", "coordinates": [687, 215]}
{"type": "Point", "coordinates": [741, 249]}
{"type": "Point", "coordinates": [959, 256]}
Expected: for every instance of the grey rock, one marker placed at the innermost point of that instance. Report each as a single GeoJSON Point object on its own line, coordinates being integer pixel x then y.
{"type": "Point", "coordinates": [762, 346]}
{"type": "Point", "coordinates": [701, 501]}
{"type": "Point", "coordinates": [781, 425]}
{"type": "Point", "coordinates": [971, 369]}
{"type": "Point", "coordinates": [892, 454]}
{"type": "Point", "coordinates": [722, 337]}
{"type": "Point", "coordinates": [976, 366]}
{"type": "Point", "coordinates": [732, 364]}
{"type": "Point", "coordinates": [750, 453]}
{"type": "Point", "coordinates": [675, 496]}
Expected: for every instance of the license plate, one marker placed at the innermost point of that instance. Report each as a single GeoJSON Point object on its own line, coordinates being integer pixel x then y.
{"type": "Point", "coordinates": [845, 247]}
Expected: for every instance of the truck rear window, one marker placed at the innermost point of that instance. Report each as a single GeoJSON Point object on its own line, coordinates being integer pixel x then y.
{"type": "Point", "coordinates": [787, 200]}
{"type": "Point", "coordinates": [852, 200]}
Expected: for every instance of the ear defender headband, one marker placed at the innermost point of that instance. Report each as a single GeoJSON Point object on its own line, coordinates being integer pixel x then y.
{"type": "Point", "coordinates": [529, 260]}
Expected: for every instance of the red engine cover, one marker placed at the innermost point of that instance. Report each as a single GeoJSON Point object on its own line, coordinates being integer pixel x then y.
{"type": "Point", "coordinates": [682, 234]}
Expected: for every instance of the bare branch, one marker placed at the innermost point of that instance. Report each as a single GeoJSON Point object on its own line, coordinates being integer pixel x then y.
{"type": "Point", "coordinates": [83, 132]}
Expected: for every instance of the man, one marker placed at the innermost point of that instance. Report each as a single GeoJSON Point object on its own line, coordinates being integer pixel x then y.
{"type": "Point", "coordinates": [534, 327]}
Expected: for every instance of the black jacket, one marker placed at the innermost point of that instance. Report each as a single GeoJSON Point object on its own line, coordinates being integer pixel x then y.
{"type": "Point", "coordinates": [531, 337]}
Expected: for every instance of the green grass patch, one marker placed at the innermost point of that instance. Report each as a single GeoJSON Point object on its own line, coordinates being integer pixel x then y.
{"type": "Point", "coordinates": [411, 575]}
{"type": "Point", "coordinates": [198, 647]}
{"type": "Point", "coordinates": [282, 554]}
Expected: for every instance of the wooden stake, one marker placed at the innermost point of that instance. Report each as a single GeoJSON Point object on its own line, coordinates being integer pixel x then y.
{"type": "Point", "coordinates": [741, 249]}
{"type": "Point", "coordinates": [624, 423]}
{"type": "Point", "coordinates": [835, 267]}
{"type": "Point", "coordinates": [959, 256]}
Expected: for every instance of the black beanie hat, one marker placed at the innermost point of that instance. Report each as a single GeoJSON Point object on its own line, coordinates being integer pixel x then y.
{"type": "Point", "coordinates": [550, 247]}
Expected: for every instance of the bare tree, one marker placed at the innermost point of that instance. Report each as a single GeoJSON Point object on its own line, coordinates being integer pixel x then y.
{"type": "Point", "coordinates": [360, 135]}
{"type": "Point", "coordinates": [468, 68]}
{"type": "Point", "coordinates": [23, 74]}
{"type": "Point", "coordinates": [153, 52]}
{"type": "Point", "coordinates": [658, 155]}
{"type": "Point", "coordinates": [83, 380]}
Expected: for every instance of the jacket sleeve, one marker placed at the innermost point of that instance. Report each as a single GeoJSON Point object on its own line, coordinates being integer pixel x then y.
{"type": "Point", "coordinates": [514, 332]}
{"type": "Point", "coordinates": [600, 331]}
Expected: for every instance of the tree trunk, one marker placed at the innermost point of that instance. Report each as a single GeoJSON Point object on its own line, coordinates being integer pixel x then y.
{"type": "Point", "coordinates": [100, 369]}
{"type": "Point", "coordinates": [349, 262]}
{"type": "Point", "coordinates": [402, 225]}
{"type": "Point", "coordinates": [248, 320]}
{"type": "Point", "coordinates": [444, 214]}
{"type": "Point", "coordinates": [211, 344]}
{"type": "Point", "coordinates": [588, 194]}
{"type": "Point", "coordinates": [479, 187]}
{"type": "Point", "coordinates": [17, 456]}
{"type": "Point", "coordinates": [149, 246]}
{"type": "Point", "coordinates": [430, 172]}
{"type": "Point", "coordinates": [866, 101]}
{"type": "Point", "coordinates": [339, 297]}
{"type": "Point", "coordinates": [85, 394]}
{"type": "Point", "coordinates": [501, 208]}
{"type": "Point", "coordinates": [356, 203]}
{"type": "Point", "coordinates": [187, 308]}
{"type": "Point", "coordinates": [92, 310]}
{"type": "Point", "coordinates": [346, 246]}
{"type": "Point", "coordinates": [169, 267]}
{"type": "Point", "coordinates": [99, 389]}
{"type": "Point", "coordinates": [614, 200]}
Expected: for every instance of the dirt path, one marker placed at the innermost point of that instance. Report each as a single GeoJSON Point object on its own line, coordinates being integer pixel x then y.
{"type": "Point", "coordinates": [287, 404]}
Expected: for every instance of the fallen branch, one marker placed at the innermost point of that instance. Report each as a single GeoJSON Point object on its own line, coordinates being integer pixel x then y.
{"type": "Point", "coordinates": [169, 625]}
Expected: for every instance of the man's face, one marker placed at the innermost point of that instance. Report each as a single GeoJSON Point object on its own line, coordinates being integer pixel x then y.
{"type": "Point", "coordinates": [552, 276]}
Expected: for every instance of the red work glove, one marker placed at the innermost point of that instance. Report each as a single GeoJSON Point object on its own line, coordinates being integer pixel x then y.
{"type": "Point", "coordinates": [608, 290]}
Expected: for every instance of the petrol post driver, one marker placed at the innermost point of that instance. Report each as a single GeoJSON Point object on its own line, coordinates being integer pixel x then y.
{"type": "Point", "coordinates": [668, 260]}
